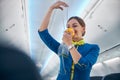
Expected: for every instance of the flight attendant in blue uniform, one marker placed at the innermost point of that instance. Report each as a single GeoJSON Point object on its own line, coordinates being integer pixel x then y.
{"type": "Point", "coordinates": [82, 56]}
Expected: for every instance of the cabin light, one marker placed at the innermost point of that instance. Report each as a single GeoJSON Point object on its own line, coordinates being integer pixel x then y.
{"type": "Point", "coordinates": [112, 60]}
{"type": "Point", "coordinates": [107, 61]}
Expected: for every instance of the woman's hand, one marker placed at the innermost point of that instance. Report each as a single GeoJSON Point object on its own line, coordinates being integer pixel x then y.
{"type": "Point", "coordinates": [59, 5]}
{"type": "Point", "coordinates": [67, 38]}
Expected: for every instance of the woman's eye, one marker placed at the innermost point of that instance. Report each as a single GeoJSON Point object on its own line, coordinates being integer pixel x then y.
{"type": "Point", "coordinates": [75, 26]}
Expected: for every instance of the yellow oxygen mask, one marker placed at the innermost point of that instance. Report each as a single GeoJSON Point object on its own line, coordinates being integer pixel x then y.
{"type": "Point", "coordinates": [71, 31]}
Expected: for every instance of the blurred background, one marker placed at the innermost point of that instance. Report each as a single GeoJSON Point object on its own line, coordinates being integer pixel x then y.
{"type": "Point", "coordinates": [20, 20]}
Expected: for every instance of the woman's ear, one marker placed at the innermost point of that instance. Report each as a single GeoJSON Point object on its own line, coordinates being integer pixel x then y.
{"type": "Point", "coordinates": [83, 33]}
{"type": "Point", "coordinates": [83, 28]}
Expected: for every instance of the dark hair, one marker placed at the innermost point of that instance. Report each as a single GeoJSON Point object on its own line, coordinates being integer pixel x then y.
{"type": "Point", "coordinates": [17, 65]}
{"type": "Point", "coordinates": [80, 21]}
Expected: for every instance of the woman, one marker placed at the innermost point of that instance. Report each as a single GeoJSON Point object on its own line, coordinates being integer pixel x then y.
{"type": "Point", "coordinates": [77, 65]}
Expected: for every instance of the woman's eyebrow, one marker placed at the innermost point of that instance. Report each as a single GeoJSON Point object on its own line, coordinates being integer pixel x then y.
{"type": "Point", "coordinates": [74, 23]}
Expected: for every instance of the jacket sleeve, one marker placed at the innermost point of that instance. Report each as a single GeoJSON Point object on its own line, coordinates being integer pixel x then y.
{"type": "Point", "coordinates": [88, 60]}
{"type": "Point", "coordinates": [49, 41]}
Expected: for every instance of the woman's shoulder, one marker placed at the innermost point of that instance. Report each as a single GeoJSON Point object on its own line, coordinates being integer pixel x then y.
{"type": "Point", "coordinates": [91, 45]}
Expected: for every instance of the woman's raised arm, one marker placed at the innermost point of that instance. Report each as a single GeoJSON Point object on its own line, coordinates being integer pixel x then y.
{"type": "Point", "coordinates": [45, 22]}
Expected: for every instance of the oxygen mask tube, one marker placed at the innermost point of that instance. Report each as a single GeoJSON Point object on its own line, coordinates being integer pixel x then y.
{"type": "Point", "coordinates": [63, 49]}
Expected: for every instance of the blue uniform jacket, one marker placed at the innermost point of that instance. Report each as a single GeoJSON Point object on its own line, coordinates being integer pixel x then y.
{"type": "Point", "coordinates": [82, 69]}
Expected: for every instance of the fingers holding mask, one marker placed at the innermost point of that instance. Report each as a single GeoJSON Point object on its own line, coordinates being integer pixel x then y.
{"type": "Point", "coordinates": [67, 38]}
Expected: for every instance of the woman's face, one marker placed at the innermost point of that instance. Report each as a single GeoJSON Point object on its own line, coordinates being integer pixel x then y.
{"type": "Point", "coordinates": [78, 29]}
